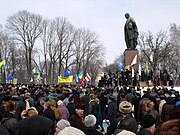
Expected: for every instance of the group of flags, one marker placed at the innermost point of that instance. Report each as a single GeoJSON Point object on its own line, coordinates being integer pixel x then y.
{"type": "Point", "coordinates": [68, 77]}
{"type": "Point", "coordinates": [134, 62]}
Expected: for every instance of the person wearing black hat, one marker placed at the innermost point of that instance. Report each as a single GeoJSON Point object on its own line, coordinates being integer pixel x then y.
{"type": "Point", "coordinates": [147, 125]}
{"type": "Point", "coordinates": [76, 120]}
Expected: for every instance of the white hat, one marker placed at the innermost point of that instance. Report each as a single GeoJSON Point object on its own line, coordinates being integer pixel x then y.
{"type": "Point", "coordinates": [62, 124]}
{"type": "Point", "coordinates": [71, 131]}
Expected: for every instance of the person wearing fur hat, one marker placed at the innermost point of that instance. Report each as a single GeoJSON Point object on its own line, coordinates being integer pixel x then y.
{"type": "Point", "coordinates": [124, 121]}
{"type": "Point", "coordinates": [147, 123]}
{"type": "Point", "coordinates": [8, 117]}
{"type": "Point", "coordinates": [29, 112]}
{"type": "Point", "coordinates": [170, 127]}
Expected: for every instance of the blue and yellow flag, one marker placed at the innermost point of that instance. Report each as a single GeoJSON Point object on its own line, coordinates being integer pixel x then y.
{"type": "Point", "coordinates": [38, 77]}
{"type": "Point", "coordinates": [65, 79]}
{"type": "Point", "coordinates": [79, 77]}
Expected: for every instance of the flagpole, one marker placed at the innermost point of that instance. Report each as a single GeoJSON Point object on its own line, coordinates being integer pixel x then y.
{"type": "Point", "coordinates": [4, 75]}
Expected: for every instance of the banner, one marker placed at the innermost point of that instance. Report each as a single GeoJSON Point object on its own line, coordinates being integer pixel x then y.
{"type": "Point", "coordinates": [65, 79]}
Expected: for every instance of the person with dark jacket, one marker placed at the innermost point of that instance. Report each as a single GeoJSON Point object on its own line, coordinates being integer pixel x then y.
{"type": "Point", "coordinates": [124, 121]}
{"type": "Point", "coordinates": [71, 106]}
{"type": "Point", "coordinates": [49, 113]}
{"type": "Point", "coordinates": [76, 120]}
{"type": "Point", "coordinates": [147, 125]}
{"type": "Point", "coordinates": [8, 117]}
{"type": "Point", "coordinates": [3, 130]}
{"type": "Point", "coordinates": [112, 109]}
{"type": "Point", "coordinates": [167, 108]}
{"type": "Point", "coordinates": [35, 125]}
{"type": "Point", "coordinates": [85, 99]}
{"type": "Point", "coordinates": [90, 121]}
{"type": "Point", "coordinates": [93, 106]}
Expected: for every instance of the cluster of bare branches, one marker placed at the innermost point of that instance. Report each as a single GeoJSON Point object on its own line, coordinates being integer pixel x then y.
{"type": "Point", "coordinates": [165, 49]}
{"type": "Point", "coordinates": [49, 46]}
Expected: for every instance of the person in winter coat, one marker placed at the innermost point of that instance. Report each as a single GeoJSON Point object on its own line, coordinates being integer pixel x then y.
{"type": "Point", "coordinates": [90, 128]}
{"type": "Point", "coordinates": [35, 125]}
{"type": "Point", "coordinates": [147, 125]}
{"type": "Point", "coordinates": [71, 106]}
{"type": "Point", "coordinates": [76, 120]}
{"type": "Point", "coordinates": [170, 127]}
{"type": "Point", "coordinates": [124, 121]}
{"type": "Point", "coordinates": [167, 108]}
{"type": "Point", "coordinates": [93, 106]}
{"type": "Point", "coordinates": [3, 130]}
{"type": "Point", "coordinates": [112, 109]}
{"type": "Point", "coordinates": [85, 99]}
{"type": "Point", "coordinates": [49, 113]}
{"type": "Point", "coordinates": [8, 117]}
{"type": "Point", "coordinates": [63, 111]}
{"type": "Point", "coordinates": [52, 104]}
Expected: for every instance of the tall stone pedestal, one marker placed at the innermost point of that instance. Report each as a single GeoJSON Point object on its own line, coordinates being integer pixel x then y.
{"type": "Point", "coordinates": [129, 55]}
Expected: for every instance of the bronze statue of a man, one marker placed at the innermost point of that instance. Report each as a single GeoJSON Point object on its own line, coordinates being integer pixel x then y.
{"type": "Point", "coordinates": [130, 32]}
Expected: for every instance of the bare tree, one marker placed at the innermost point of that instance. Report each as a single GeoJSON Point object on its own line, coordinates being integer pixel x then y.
{"type": "Point", "coordinates": [85, 40]}
{"type": "Point", "coordinates": [173, 61]}
{"type": "Point", "coordinates": [95, 64]}
{"type": "Point", "coordinates": [26, 28]}
{"type": "Point", "coordinates": [65, 36]}
{"type": "Point", "coordinates": [159, 46]}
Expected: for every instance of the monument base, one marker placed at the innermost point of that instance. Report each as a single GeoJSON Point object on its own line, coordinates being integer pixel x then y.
{"type": "Point", "coordinates": [129, 55]}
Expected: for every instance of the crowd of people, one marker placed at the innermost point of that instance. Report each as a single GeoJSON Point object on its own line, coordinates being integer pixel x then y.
{"type": "Point", "coordinates": [74, 110]}
{"type": "Point", "coordinates": [124, 77]}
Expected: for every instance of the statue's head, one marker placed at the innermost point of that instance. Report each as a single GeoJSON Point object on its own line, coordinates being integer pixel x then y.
{"type": "Point", "coordinates": [127, 15]}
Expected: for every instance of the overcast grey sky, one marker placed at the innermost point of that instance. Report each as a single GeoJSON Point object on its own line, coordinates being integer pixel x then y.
{"type": "Point", "coordinates": [105, 17]}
